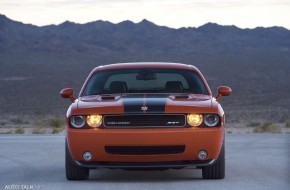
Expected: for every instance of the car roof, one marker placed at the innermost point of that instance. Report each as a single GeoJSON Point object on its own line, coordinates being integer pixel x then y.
{"type": "Point", "coordinates": [145, 65]}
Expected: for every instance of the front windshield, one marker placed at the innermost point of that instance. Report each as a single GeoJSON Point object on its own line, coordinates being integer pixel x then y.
{"type": "Point", "coordinates": [121, 81]}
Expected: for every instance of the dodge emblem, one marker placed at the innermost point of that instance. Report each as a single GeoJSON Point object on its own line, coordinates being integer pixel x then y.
{"type": "Point", "coordinates": [144, 108]}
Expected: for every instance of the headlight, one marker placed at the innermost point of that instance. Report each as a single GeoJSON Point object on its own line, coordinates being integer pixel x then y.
{"type": "Point", "coordinates": [194, 119]}
{"type": "Point", "coordinates": [77, 121]}
{"type": "Point", "coordinates": [94, 120]}
{"type": "Point", "coordinates": [211, 120]}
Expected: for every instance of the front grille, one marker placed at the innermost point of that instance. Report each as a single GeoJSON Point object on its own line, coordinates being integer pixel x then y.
{"type": "Point", "coordinates": [144, 150]}
{"type": "Point", "coordinates": [144, 121]}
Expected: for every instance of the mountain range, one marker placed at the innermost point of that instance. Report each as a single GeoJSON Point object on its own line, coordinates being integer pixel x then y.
{"type": "Point", "coordinates": [37, 62]}
{"type": "Point", "coordinates": [103, 38]}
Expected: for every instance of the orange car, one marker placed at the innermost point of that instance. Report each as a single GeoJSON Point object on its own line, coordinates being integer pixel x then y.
{"type": "Point", "coordinates": [145, 116]}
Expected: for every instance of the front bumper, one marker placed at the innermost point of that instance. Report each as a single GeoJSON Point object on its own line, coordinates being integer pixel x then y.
{"type": "Point", "coordinates": [194, 140]}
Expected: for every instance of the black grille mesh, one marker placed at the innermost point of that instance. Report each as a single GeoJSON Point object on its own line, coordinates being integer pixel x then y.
{"type": "Point", "coordinates": [131, 121]}
{"type": "Point", "coordinates": [144, 150]}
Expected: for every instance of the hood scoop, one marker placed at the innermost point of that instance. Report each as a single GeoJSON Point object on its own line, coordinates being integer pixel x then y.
{"type": "Point", "coordinates": [100, 98]}
{"type": "Point", "coordinates": [184, 97]}
{"type": "Point", "coordinates": [107, 97]}
{"type": "Point", "coordinates": [177, 97]}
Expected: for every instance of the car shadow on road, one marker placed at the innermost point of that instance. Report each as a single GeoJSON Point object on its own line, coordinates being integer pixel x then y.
{"type": "Point", "coordinates": [117, 175]}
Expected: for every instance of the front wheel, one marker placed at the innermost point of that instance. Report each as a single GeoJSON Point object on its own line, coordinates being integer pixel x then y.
{"type": "Point", "coordinates": [73, 172]}
{"type": "Point", "coordinates": [216, 170]}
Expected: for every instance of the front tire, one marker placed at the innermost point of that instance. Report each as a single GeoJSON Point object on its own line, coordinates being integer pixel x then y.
{"type": "Point", "coordinates": [216, 170]}
{"type": "Point", "coordinates": [73, 172]}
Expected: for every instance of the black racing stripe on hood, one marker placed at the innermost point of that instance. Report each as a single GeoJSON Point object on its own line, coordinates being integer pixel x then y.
{"type": "Point", "coordinates": [135, 103]}
{"type": "Point", "coordinates": [156, 103]}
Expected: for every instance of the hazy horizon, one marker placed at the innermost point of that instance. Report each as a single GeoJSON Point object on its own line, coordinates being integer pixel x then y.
{"type": "Point", "coordinates": [141, 21]}
{"type": "Point", "coordinates": [170, 13]}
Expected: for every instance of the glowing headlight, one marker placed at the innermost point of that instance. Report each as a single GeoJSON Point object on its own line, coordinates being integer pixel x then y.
{"type": "Point", "coordinates": [94, 120]}
{"type": "Point", "coordinates": [194, 119]}
{"type": "Point", "coordinates": [211, 120]}
{"type": "Point", "coordinates": [77, 121]}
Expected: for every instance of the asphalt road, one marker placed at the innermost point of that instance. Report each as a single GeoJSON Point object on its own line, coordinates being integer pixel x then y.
{"type": "Point", "coordinates": [253, 161]}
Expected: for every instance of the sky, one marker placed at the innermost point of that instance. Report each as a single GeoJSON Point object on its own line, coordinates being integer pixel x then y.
{"type": "Point", "coordinates": [171, 13]}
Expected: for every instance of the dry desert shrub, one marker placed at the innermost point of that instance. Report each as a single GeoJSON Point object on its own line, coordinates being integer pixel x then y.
{"type": "Point", "coordinates": [19, 131]}
{"type": "Point", "coordinates": [254, 124]}
{"type": "Point", "coordinates": [268, 127]}
{"type": "Point", "coordinates": [56, 122]}
{"type": "Point", "coordinates": [38, 131]}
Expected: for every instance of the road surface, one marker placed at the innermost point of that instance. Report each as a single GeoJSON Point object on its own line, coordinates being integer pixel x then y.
{"type": "Point", "coordinates": [253, 161]}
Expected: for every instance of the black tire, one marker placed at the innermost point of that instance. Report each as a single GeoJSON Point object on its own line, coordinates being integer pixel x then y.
{"type": "Point", "coordinates": [216, 170]}
{"type": "Point", "coordinates": [73, 172]}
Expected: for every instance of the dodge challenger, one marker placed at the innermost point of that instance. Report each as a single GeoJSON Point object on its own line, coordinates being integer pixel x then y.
{"type": "Point", "coordinates": [145, 116]}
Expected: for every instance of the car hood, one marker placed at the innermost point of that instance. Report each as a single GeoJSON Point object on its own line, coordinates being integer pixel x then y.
{"type": "Point", "coordinates": [144, 103]}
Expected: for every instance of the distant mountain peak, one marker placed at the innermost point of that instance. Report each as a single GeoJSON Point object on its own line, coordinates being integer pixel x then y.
{"type": "Point", "coordinates": [146, 22]}
{"type": "Point", "coordinates": [214, 27]}
{"type": "Point", "coordinates": [98, 22]}
{"type": "Point", "coordinates": [67, 22]}
{"type": "Point", "coordinates": [126, 22]}
{"type": "Point", "coordinates": [210, 24]}
{"type": "Point", "coordinates": [3, 17]}
{"type": "Point", "coordinates": [6, 20]}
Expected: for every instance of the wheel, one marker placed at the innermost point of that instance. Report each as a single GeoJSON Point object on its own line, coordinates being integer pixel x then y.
{"type": "Point", "coordinates": [216, 170]}
{"type": "Point", "coordinates": [73, 172]}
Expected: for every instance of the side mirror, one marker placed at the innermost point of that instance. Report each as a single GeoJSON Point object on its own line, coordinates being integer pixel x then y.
{"type": "Point", "coordinates": [68, 93]}
{"type": "Point", "coordinates": [223, 91]}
